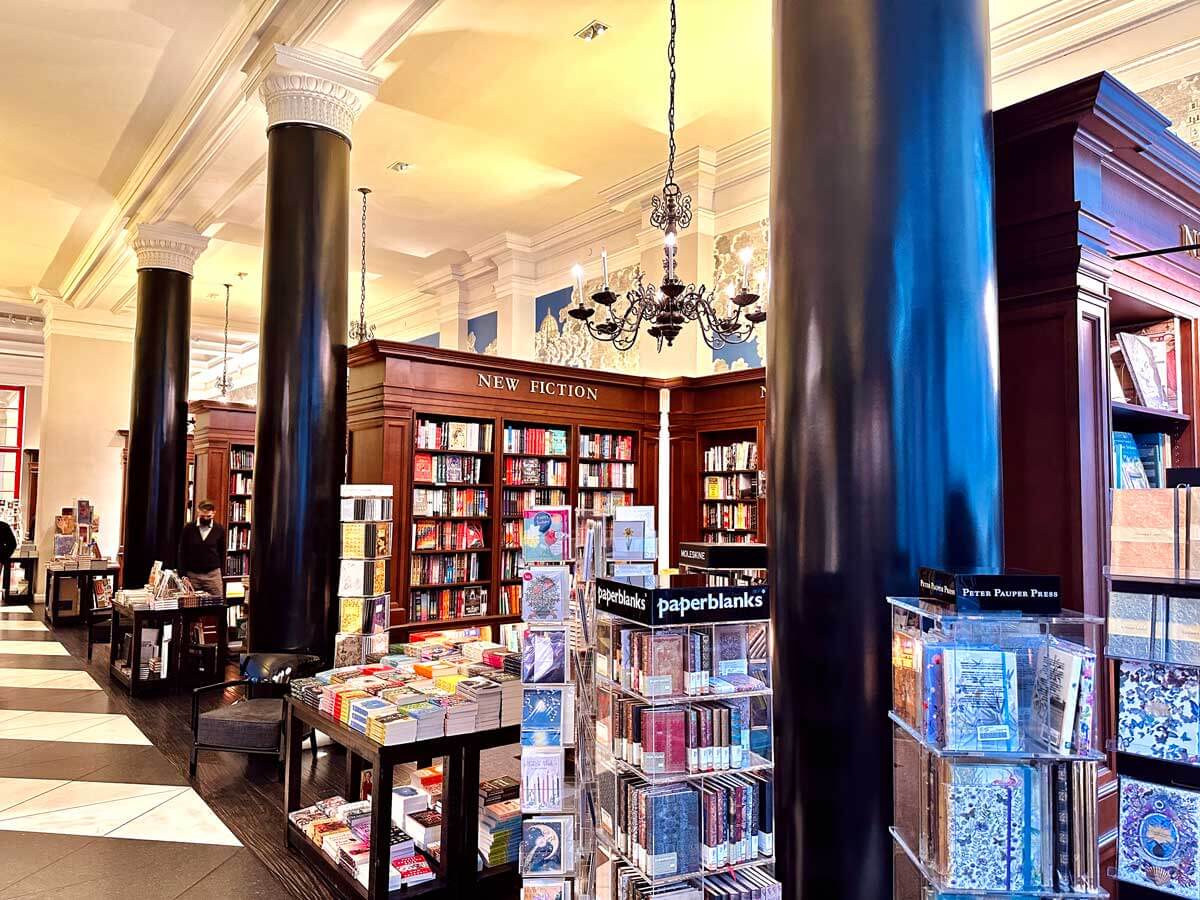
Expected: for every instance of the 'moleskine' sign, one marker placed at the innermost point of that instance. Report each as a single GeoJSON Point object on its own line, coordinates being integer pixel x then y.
{"type": "Point", "coordinates": [513, 384]}
{"type": "Point", "coordinates": [682, 606]}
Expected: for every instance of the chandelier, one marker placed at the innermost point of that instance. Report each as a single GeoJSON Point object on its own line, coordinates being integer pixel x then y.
{"type": "Point", "coordinates": [671, 304]}
{"type": "Point", "coordinates": [224, 383]}
{"type": "Point", "coordinates": [360, 331]}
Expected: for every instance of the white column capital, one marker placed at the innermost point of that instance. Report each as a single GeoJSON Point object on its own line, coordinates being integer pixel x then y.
{"type": "Point", "coordinates": [309, 89]}
{"type": "Point", "coordinates": [167, 245]}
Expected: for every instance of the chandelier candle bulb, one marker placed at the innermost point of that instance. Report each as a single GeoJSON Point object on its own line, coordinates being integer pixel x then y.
{"type": "Point", "coordinates": [745, 254]}
{"type": "Point", "coordinates": [669, 241]}
{"type": "Point", "coordinates": [604, 267]}
{"type": "Point", "coordinates": [577, 271]}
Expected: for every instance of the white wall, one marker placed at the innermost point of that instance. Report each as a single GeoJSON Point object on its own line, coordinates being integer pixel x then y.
{"type": "Point", "coordinates": [85, 401]}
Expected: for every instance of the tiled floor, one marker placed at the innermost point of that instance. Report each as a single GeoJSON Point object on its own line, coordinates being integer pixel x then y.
{"type": "Point", "coordinates": [88, 806]}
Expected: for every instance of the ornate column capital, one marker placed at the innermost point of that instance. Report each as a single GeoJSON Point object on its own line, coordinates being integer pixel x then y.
{"type": "Point", "coordinates": [309, 89]}
{"type": "Point", "coordinates": [167, 245]}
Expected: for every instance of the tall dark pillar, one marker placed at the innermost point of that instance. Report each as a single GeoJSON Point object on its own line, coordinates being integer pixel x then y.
{"type": "Point", "coordinates": [299, 461]}
{"type": "Point", "coordinates": [156, 467]}
{"type": "Point", "coordinates": [883, 390]}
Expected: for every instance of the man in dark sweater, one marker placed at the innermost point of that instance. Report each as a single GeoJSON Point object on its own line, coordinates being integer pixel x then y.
{"type": "Point", "coordinates": [202, 551]}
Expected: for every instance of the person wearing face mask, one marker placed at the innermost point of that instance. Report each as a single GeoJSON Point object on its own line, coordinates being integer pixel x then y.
{"type": "Point", "coordinates": [202, 551]}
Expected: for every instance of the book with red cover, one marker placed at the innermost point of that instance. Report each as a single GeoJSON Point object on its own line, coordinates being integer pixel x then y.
{"type": "Point", "coordinates": [422, 467]}
{"type": "Point", "coordinates": [664, 733]}
{"type": "Point", "coordinates": [666, 664]}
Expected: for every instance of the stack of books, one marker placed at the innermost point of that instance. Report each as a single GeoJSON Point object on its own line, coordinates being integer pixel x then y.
{"type": "Point", "coordinates": [408, 871]}
{"type": "Point", "coordinates": [500, 832]}
{"type": "Point", "coordinates": [485, 694]}
{"type": "Point", "coordinates": [460, 714]}
{"type": "Point", "coordinates": [425, 827]}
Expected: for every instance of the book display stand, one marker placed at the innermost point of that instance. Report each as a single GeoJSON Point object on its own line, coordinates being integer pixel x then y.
{"type": "Point", "coordinates": [366, 554]}
{"type": "Point", "coordinates": [1155, 656]}
{"type": "Point", "coordinates": [995, 753]}
{"type": "Point", "coordinates": [683, 737]}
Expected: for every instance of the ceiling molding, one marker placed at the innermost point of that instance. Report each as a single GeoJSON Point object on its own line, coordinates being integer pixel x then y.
{"type": "Point", "coordinates": [1067, 26]}
{"type": "Point", "coordinates": [62, 320]}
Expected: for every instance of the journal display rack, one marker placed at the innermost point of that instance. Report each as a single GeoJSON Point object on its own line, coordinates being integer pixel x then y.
{"type": "Point", "coordinates": [542, 419]}
{"type": "Point", "coordinates": [684, 739]}
{"type": "Point", "coordinates": [995, 753]}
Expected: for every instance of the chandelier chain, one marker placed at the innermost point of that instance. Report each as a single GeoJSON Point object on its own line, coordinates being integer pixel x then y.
{"type": "Point", "coordinates": [225, 350]}
{"type": "Point", "coordinates": [671, 100]}
{"type": "Point", "coordinates": [362, 289]}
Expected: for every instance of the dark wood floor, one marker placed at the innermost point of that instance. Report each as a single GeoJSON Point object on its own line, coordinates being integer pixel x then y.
{"type": "Point", "coordinates": [244, 792]}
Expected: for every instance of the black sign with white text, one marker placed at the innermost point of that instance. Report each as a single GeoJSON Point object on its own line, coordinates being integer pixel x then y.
{"type": "Point", "coordinates": [650, 605]}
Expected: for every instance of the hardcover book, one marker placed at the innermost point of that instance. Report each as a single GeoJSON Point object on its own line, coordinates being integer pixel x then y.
{"type": "Point", "coordinates": [980, 690]}
{"type": "Point", "coordinates": [906, 674]}
{"type": "Point", "coordinates": [422, 467]}
{"type": "Point", "coordinates": [730, 650]}
{"type": "Point", "coordinates": [672, 824]}
{"type": "Point", "coordinates": [1158, 711]}
{"type": "Point", "coordinates": [1156, 839]}
{"type": "Point", "coordinates": [1056, 695]}
{"type": "Point", "coordinates": [664, 741]}
{"type": "Point", "coordinates": [666, 667]}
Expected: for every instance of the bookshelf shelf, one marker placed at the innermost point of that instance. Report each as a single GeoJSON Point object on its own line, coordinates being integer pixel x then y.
{"type": "Point", "coordinates": [1132, 417]}
{"type": "Point", "coordinates": [446, 584]}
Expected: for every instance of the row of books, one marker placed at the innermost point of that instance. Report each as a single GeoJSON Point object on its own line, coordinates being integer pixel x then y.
{"type": "Point", "coordinates": [607, 475]}
{"type": "Point", "coordinates": [240, 511]}
{"type": "Point", "coordinates": [436, 434]}
{"type": "Point", "coordinates": [1037, 692]}
{"type": "Point", "coordinates": [628, 883]}
{"type": "Point", "coordinates": [237, 539]}
{"type": "Point", "coordinates": [603, 501]}
{"type": "Point", "coordinates": [241, 483]}
{"type": "Point", "coordinates": [342, 831]}
{"type": "Point", "coordinates": [447, 468]}
{"type": "Point", "coordinates": [730, 487]}
{"type": "Point", "coordinates": [1009, 827]}
{"type": "Point", "coordinates": [726, 457]}
{"type": "Point", "coordinates": [678, 829]}
{"type": "Point", "coordinates": [515, 502]}
{"type": "Point", "coordinates": [446, 603]}
{"type": "Point", "coordinates": [366, 509]}
{"type": "Point", "coordinates": [716, 536]}
{"type": "Point", "coordinates": [512, 535]}
{"type": "Point", "coordinates": [237, 565]}
{"type": "Point", "coordinates": [670, 662]}
{"type": "Point", "coordinates": [1144, 366]}
{"type": "Point", "coordinates": [530, 470]}
{"type": "Point", "coordinates": [450, 502]}
{"type": "Point", "coordinates": [1140, 460]}
{"type": "Point", "coordinates": [666, 740]}
{"type": "Point", "coordinates": [445, 569]}
{"type": "Point", "coordinates": [742, 514]}
{"type": "Point", "coordinates": [366, 540]}
{"type": "Point", "coordinates": [241, 458]}
{"type": "Point", "coordinates": [594, 445]}
{"type": "Point", "coordinates": [509, 601]}
{"type": "Point", "coordinates": [529, 439]}
{"type": "Point", "coordinates": [448, 536]}
{"type": "Point", "coordinates": [510, 565]}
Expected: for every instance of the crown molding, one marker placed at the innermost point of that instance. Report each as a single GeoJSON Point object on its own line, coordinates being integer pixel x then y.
{"type": "Point", "coordinates": [167, 245]}
{"type": "Point", "coordinates": [694, 163]}
{"type": "Point", "coordinates": [63, 320]}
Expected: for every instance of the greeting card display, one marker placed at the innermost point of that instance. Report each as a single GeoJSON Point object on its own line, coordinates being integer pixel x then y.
{"type": "Point", "coordinates": [546, 534]}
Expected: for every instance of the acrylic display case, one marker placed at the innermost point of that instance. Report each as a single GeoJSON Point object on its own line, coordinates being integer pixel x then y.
{"type": "Point", "coordinates": [994, 753]}
{"type": "Point", "coordinates": [684, 738]}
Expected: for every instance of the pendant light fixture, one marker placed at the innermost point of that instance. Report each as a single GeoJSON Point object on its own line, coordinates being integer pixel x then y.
{"type": "Point", "coordinates": [670, 304]}
{"type": "Point", "coordinates": [224, 383]}
{"type": "Point", "coordinates": [360, 331]}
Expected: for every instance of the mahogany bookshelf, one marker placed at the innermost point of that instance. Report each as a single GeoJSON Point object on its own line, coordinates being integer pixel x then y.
{"type": "Point", "coordinates": [394, 386]}
{"type": "Point", "coordinates": [723, 410]}
{"type": "Point", "coordinates": [224, 436]}
{"type": "Point", "coordinates": [1084, 173]}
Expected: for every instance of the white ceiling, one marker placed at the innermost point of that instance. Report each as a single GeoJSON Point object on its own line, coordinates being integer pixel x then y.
{"type": "Point", "coordinates": [119, 111]}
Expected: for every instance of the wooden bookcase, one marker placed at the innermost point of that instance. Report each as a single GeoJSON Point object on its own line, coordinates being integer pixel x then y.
{"type": "Point", "coordinates": [1084, 173]}
{"type": "Point", "coordinates": [394, 386]}
{"type": "Point", "coordinates": [708, 412]}
{"type": "Point", "coordinates": [224, 441]}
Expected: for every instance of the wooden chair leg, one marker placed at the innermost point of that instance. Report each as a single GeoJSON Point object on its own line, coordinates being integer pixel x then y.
{"type": "Point", "coordinates": [312, 740]}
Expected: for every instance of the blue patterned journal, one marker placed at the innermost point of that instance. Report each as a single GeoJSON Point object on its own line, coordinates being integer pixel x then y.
{"type": "Point", "coordinates": [981, 699]}
{"type": "Point", "coordinates": [994, 827]}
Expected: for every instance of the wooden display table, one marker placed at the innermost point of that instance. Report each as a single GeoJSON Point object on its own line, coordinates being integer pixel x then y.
{"type": "Point", "coordinates": [29, 564]}
{"type": "Point", "coordinates": [456, 870]}
{"type": "Point", "coordinates": [127, 619]}
{"type": "Point", "coordinates": [54, 580]}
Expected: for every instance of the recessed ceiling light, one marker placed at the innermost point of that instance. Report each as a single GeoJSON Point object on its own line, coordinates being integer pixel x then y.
{"type": "Point", "coordinates": [591, 30]}
{"type": "Point", "coordinates": [399, 166]}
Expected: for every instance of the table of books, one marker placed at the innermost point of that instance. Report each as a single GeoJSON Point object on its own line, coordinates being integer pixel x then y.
{"type": "Point", "coordinates": [153, 662]}
{"type": "Point", "coordinates": [456, 869]}
{"type": "Point", "coordinates": [28, 563]}
{"type": "Point", "coordinates": [56, 573]}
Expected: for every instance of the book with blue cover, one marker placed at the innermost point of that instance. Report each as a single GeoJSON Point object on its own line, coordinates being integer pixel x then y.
{"type": "Point", "coordinates": [1157, 837]}
{"type": "Point", "coordinates": [1128, 471]}
{"type": "Point", "coordinates": [1150, 450]}
{"type": "Point", "coordinates": [548, 716]}
{"type": "Point", "coordinates": [994, 829]}
{"type": "Point", "coordinates": [672, 830]}
{"type": "Point", "coordinates": [980, 693]}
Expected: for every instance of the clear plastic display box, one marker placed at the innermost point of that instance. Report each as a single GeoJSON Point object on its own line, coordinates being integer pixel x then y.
{"type": "Point", "coordinates": [995, 753]}
{"type": "Point", "coordinates": [684, 744]}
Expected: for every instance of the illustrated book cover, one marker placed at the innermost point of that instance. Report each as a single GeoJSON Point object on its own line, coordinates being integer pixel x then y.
{"type": "Point", "coordinates": [980, 690]}
{"type": "Point", "coordinates": [544, 656]}
{"type": "Point", "coordinates": [545, 591]}
{"type": "Point", "coordinates": [1156, 837]}
{"type": "Point", "coordinates": [1158, 711]}
{"type": "Point", "coordinates": [546, 534]}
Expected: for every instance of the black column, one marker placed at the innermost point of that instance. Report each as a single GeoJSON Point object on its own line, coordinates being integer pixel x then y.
{"type": "Point", "coordinates": [156, 469]}
{"type": "Point", "coordinates": [883, 390]}
{"type": "Point", "coordinates": [299, 459]}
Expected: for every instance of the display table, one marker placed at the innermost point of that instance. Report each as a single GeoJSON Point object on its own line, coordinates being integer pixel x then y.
{"type": "Point", "coordinates": [54, 580]}
{"type": "Point", "coordinates": [29, 564]}
{"type": "Point", "coordinates": [131, 620]}
{"type": "Point", "coordinates": [456, 870]}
